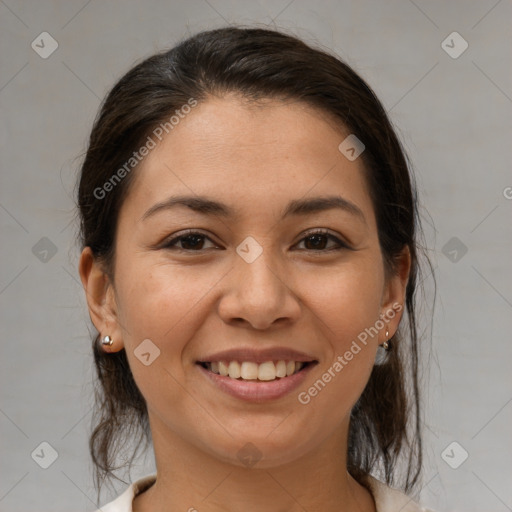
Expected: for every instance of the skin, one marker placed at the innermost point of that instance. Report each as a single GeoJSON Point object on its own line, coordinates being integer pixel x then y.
{"type": "Point", "coordinates": [254, 158]}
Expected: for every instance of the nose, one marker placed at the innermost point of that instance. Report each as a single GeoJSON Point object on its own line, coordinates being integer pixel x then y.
{"type": "Point", "coordinates": [260, 294]}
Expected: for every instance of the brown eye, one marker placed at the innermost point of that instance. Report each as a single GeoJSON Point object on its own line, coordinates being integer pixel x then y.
{"type": "Point", "coordinates": [194, 241]}
{"type": "Point", "coordinates": [191, 241]}
{"type": "Point", "coordinates": [319, 240]}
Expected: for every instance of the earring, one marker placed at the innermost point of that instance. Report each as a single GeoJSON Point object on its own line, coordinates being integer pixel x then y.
{"type": "Point", "coordinates": [385, 345]}
{"type": "Point", "coordinates": [382, 354]}
{"type": "Point", "coordinates": [107, 340]}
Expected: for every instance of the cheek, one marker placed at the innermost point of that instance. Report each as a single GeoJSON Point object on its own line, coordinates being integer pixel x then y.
{"type": "Point", "coordinates": [347, 307]}
{"type": "Point", "coordinates": [158, 302]}
{"type": "Point", "coordinates": [346, 298]}
{"type": "Point", "coordinates": [347, 304]}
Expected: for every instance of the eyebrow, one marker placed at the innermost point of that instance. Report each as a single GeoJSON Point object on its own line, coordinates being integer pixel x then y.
{"type": "Point", "coordinates": [207, 206]}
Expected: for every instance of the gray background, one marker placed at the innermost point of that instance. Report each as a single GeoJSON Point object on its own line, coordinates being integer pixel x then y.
{"type": "Point", "coordinates": [453, 115]}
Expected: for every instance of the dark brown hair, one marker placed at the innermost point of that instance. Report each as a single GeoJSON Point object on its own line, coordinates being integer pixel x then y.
{"type": "Point", "coordinates": [258, 64]}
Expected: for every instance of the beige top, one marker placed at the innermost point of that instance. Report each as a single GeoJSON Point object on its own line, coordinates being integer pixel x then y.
{"type": "Point", "coordinates": [386, 498]}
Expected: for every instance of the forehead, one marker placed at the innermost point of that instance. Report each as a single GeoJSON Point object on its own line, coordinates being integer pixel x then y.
{"type": "Point", "coordinates": [246, 131]}
{"type": "Point", "coordinates": [251, 153]}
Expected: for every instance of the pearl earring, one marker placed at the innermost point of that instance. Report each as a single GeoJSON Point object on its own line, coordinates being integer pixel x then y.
{"type": "Point", "coordinates": [382, 355]}
{"type": "Point", "coordinates": [107, 340]}
{"type": "Point", "coordinates": [385, 345]}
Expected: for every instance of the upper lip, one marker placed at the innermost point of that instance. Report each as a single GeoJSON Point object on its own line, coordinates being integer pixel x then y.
{"type": "Point", "coordinates": [258, 356]}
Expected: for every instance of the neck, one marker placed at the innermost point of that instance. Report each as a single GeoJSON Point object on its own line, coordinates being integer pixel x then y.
{"type": "Point", "coordinates": [191, 480]}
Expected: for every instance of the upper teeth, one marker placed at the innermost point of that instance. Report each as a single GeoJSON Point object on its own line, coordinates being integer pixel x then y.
{"type": "Point", "coordinates": [253, 371]}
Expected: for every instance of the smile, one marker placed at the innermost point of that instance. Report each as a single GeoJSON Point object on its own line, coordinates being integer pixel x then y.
{"type": "Point", "coordinates": [249, 370]}
{"type": "Point", "coordinates": [256, 382]}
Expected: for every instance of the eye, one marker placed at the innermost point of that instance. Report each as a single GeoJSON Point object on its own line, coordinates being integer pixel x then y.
{"type": "Point", "coordinates": [190, 241]}
{"type": "Point", "coordinates": [194, 241]}
{"type": "Point", "coordinates": [318, 240]}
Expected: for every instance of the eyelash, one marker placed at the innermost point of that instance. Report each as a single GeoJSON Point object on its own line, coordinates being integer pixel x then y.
{"type": "Point", "coordinates": [171, 244]}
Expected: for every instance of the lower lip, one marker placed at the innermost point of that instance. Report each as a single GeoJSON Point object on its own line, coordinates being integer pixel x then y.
{"type": "Point", "coordinates": [256, 390]}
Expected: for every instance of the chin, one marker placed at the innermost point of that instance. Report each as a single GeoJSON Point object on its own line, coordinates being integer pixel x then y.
{"type": "Point", "coordinates": [260, 451]}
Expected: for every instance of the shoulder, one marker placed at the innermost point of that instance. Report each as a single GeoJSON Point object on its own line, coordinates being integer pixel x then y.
{"type": "Point", "coordinates": [388, 499]}
{"type": "Point", "coordinates": [123, 503]}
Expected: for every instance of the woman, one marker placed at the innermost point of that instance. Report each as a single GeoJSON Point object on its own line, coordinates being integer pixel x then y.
{"type": "Point", "coordinates": [248, 227]}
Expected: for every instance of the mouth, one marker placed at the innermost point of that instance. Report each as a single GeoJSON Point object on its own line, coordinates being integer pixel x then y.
{"type": "Point", "coordinates": [256, 382]}
{"type": "Point", "coordinates": [266, 371]}
{"type": "Point", "coordinates": [256, 375]}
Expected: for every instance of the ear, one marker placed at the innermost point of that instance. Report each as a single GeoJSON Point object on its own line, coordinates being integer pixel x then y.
{"type": "Point", "coordinates": [101, 301]}
{"type": "Point", "coordinates": [393, 297]}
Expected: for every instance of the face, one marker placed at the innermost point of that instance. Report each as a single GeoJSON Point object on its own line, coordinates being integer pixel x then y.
{"type": "Point", "coordinates": [268, 273]}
